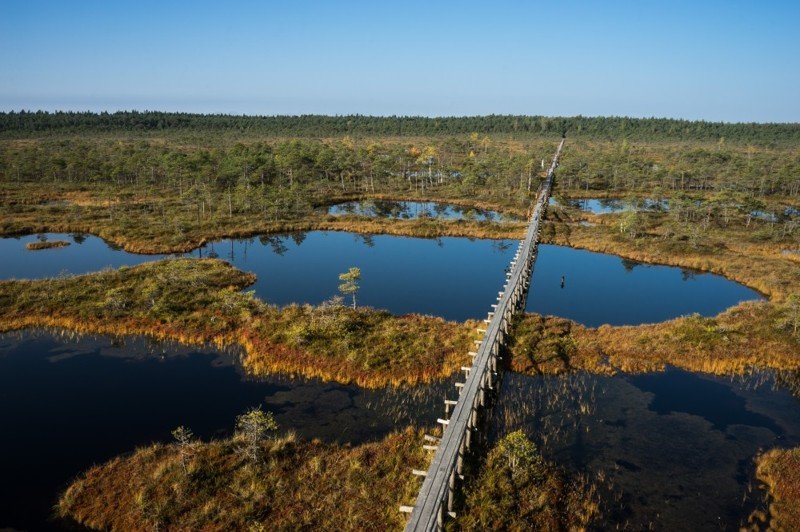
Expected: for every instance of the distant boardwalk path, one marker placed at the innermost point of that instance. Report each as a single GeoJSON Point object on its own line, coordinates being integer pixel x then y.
{"type": "Point", "coordinates": [436, 496]}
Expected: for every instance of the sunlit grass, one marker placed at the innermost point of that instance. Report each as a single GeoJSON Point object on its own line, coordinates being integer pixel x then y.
{"type": "Point", "coordinates": [199, 301]}
{"type": "Point", "coordinates": [167, 226]}
{"type": "Point", "coordinates": [295, 485]}
{"type": "Point", "coordinates": [779, 469]}
{"type": "Point", "coordinates": [746, 337]}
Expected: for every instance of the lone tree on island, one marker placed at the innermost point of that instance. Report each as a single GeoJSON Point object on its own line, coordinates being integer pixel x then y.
{"type": "Point", "coordinates": [185, 440]}
{"type": "Point", "coordinates": [350, 284]}
{"type": "Point", "coordinates": [520, 452]}
{"type": "Point", "coordinates": [253, 427]}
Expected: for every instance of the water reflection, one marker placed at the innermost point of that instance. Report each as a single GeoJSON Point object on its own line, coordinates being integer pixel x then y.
{"type": "Point", "coordinates": [410, 210]}
{"type": "Point", "coordinates": [615, 205]}
{"type": "Point", "coordinates": [673, 449]}
{"type": "Point", "coordinates": [67, 402]}
{"type": "Point", "coordinates": [600, 288]}
{"type": "Point", "coordinates": [455, 278]}
{"type": "Point", "coordinates": [452, 277]}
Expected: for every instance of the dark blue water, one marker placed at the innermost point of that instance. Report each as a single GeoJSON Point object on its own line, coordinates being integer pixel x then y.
{"type": "Point", "coordinates": [600, 288]}
{"type": "Point", "coordinates": [85, 254]}
{"type": "Point", "coordinates": [674, 450]}
{"type": "Point", "coordinates": [68, 404]}
{"type": "Point", "coordinates": [456, 278]}
{"type": "Point", "coordinates": [712, 399]}
{"type": "Point", "coordinates": [98, 400]}
{"type": "Point", "coordinates": [409, 210]}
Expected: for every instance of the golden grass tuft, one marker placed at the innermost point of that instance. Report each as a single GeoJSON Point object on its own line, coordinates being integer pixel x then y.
{"type": "Point", "coordinates": [779, 469]}
{"type": "Point", "coordinates": [744, 337]}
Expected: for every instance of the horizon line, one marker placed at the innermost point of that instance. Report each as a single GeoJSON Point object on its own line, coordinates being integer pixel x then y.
{"type": "Point", "coordinates": [392, 116]}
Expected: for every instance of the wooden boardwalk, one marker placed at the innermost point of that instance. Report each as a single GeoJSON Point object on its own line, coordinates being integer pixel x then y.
{"type": "Point", "coordinates": [436, 496]}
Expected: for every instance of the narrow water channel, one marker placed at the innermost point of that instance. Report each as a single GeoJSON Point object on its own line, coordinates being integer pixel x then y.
{"type": "Point", "coordinates": [614, 205]}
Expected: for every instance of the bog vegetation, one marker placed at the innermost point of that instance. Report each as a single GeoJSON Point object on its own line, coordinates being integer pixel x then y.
{"type": "Point", "coordinates": [200, 301]}
{"type": "Point", "coordinates": [717, 233]}
{"type": "Point", "coordinates": [747, 231]}
{"type": "Point", "coordinates": [779, 469]}
{"type": "Point", "coordinates": [159, 182]}
{"type": "Point", "coordinates": [517, 489]}
{"type": "Point", "coordinates": [279, 483]}
{"type": "Point", "coordinates": [282, 483]}
{"type": "Point", "coordinates": [746, 337]}
{"type": "Point", "coordinates": [46, 244]}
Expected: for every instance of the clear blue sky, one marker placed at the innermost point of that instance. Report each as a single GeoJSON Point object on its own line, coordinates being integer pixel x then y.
{"type": "Point", "coordinates": [716, 60]}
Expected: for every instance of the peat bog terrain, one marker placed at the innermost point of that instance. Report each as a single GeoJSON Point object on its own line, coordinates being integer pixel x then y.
{"type": "Point", "coordinates": [179, 310]}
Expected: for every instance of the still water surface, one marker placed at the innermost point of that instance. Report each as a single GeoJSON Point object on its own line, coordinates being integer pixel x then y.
{"type": "Point", "coordinates": [614, 205]}
{"type": "Point", "coordinates": [675, 449]}
{"type": "Point", "coordinates": [410, 210]}
{"type": "Point", "coordinates": [661, 439]}
{"type": "Point", "coordinates": [66, 404]}
{"type": "Point", "coordinates": [600, 288]}
{"type": "Point", "coordinates": [455, 278]}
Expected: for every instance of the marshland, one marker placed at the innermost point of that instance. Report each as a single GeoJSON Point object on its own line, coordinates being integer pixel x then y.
{"type": "Point", "coordinates": [201, 283]}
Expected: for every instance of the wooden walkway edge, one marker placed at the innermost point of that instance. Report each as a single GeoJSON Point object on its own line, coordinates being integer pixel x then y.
{"type": "Point", "coordinates": [436, 496]}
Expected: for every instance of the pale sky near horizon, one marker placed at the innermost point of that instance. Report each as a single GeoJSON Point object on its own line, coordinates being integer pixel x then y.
{"type": "Point", "coordinates": [713, 60]}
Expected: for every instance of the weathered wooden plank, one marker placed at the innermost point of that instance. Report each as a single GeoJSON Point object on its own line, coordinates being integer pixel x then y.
{"type": "Point", "coordinates": [435, 495]}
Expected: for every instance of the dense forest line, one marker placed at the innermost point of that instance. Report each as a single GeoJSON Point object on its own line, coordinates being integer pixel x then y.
{"type": "Point", "coordinates": [38, 123]}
